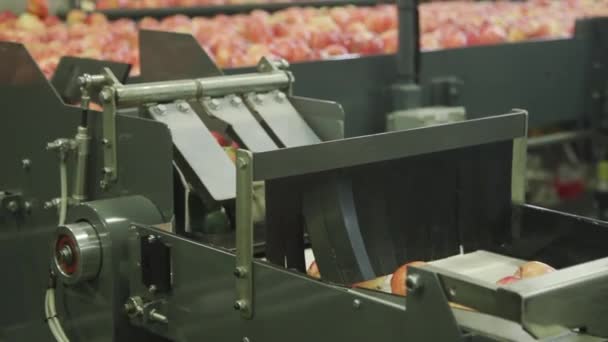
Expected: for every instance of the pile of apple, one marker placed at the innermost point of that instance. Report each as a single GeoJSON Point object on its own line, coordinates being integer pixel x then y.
{"type": "Point", "coordinates": [113, 4]}
{"type": "Point", "coordinates": [296, 34]}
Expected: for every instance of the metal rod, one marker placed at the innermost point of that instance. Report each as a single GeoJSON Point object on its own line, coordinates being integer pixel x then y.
{"type": "Point", "coordinates": [210, 86]}
{"type": "Point", "coordinates": [82, 155]}
{"type": "Point", "coordinates": [558, 138]}
{"type": "Point", "coordinates": [408, 53]}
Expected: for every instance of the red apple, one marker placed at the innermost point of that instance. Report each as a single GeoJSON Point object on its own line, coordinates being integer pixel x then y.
{"type": "Point", "coordinates": [533, 269]}
{"type": "Point", "coordinates": [39, 8]}
{"type": "Point", "coordinates": [508, 280]}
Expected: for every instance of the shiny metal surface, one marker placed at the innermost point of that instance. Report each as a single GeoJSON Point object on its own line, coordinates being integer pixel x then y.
{"type": "Point", "coordinates": [203, 156]}
{"type": "Point", "coordinates": [386, 146]}
{"type": "Point", "coordinates": [573, 297]}
{"type": "Point", "coordinates": [232, 110]}
{"type": "Point", "coordinates": [84, 253]}
{"type": "Point", "coordinates": [276, 110]}
{"type": "Point", "coordinates": [134, 94]}
{"type": "Point", "coordinates": [82, 155]}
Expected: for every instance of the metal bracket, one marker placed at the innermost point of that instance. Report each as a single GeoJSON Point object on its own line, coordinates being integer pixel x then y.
{"type": "Point", "coordinates": [109, 141]}
{"type": "Point", "coordinates": [518, 177]}
{"type": "Point", "coordinates": [244, 234]}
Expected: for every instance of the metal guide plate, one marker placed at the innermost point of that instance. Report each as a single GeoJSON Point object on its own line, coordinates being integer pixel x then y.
{"type": "Point", "coordinates": [481, 265]}
{"type": "Point", "coordinates": [326, 118]}
{"type": "Point", "coordinates": [199, 148]}
{"type": "Point", "coordinates": [233, 111]}
{"type": "Point", "coordinates": [278, 113]}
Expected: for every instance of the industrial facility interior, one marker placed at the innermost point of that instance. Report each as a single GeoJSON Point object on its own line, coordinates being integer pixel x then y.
{"type": "Point", "coordinates": [303, 170]}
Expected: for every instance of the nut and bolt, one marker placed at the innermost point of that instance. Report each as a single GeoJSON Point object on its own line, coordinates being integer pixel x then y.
{"type": "Point", "coordinates": [12, 206]}
{"type": "Point", "coordinates": [152, 289]}
{"type": "Point", "coordinates": [26, 164]}
{"type": "Point", "coordinates": [240, 305]}
{"type": "Point", "coordinates": [236, 101]}
{"type": "Point", "coordinates": [240, 272]}
{"type": "Point", "coordinates": [412, 283]}
{"type": "Point", "coordinates": [156, 316]}
{"type": "Point", "coordinates": [280, 96]}
{"type": "Point", "coordinates": [356, 304]}
{"type": "Point", "coordinates": [258, 98]}
{"type": "Point", "coordinates": [134, 306]}
{"type": "Point", "coordinates": [159, 109]}
{"type": "Point", "coordinates": [183, 107]}
{"type": "Point", "coordinates": [213, 104]}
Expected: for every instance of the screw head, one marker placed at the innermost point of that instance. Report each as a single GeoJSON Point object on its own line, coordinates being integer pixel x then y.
{"type": "Point", "coordinates": [151, 239]}
{"type": "Point", "coordinates": [258, 98]}
{"type": "Point", "coordinates": [240, 305]}
{"type": "Point", "coordinates": [412, 283]}
{"type": "Point", "coordinates": [183, 106]}
{"type": "Point", "coordinates": [356, 304]}
{"type": "Point", "coordinates": [105, 142]}
{"type": "Point", "coordinates": [152, 289]}
{"type": "Point", "coordinates": [240, 272]}
{"type": "Point", "coordinates": [26, 164]}
{"type": "Point", "coordinates": [12, 206]}
{"type": "Point", "coordinates": [106, 170]}
{"type": "Point", "coordinates": [236, 101]}
{"type": "Point", "coordinates": [103, 184]}
{"type": "Point", "coordinates": [280, 96]}
{"type": "Point", "coordinates": [27, 205]}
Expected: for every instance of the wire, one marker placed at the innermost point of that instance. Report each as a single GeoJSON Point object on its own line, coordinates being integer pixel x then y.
{"type": "Point", "coordinates": [51, 316]}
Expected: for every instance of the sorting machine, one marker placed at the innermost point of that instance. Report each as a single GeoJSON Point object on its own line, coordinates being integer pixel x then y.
{"type": "Point", "coordinates": [138, 226]}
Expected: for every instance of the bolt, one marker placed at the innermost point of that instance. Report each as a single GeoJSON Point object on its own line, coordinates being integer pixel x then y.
{"type": "Point", "coordinates": [160, 109]}
{"type": "Point", "coordinates": [103, 184]}
{"type": "Point", "coordinates": [151, 238]}
{"type": "Point", "coordinates": [157, 317]}
{"type": "Point", "coordinates": [280, 96]}
{"type": "Point", "coordinates": [258, 98]}
{"type": "Point", "coordinates": [105, 142]}
{"type": "Point", "coordinates": [183, 106]}
{"type": "Point", "coordinates": [240, 272]}
{"type": "Point", "coordinates": [213, 104]}
{"type": "Point", "coordinates": [241, 163]}
{"type": "Point", "coordinates": [281, 63]}
{"type": "Point", "coordinates": [26, 163]}
{"type": "Point", "coordinates": [12, 206]}
{"type": "Point", "coordinates": [452, 292]}
{"type": "Point", "coordinates": [106, 170]}
{"type": "Point", "coordinates": [240, 305]}
{"type": "Point", "coordinates": [236, 101]}
{"type": "Point", "coordinates": [356, 304]}
{"type": "Point", "coordinates": [106, 95]}
{"type": "Point", "coordinates": [152, 289]}
{"type": "Point", "coordinates": [82, 80]}
{"type": "Point", "coordinates": [413, 283]}
{"type": "Point", "coordinates": [48, 205]}
{"type": "Point", "coordinates": [134, 306]}
{"type": "Point", "coordinates": [65, 255]}
{"type": "Point", "coordinates": [27, 205]}
{"type": "Point", "coordinates": [133, 227]}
